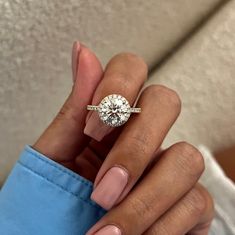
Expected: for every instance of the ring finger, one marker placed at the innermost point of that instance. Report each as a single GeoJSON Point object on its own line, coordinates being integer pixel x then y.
{"type": "Point", "coordinates": [125, 75]}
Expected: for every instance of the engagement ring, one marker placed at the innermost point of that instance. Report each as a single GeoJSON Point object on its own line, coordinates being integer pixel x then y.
{"type": "Point", "coordinates": [114, 110]}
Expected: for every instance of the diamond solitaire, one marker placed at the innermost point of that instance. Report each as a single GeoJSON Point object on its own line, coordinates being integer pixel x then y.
{"type": "Point", "coordinates": [114, 110]}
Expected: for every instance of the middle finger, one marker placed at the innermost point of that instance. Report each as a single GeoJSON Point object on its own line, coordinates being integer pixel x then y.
{"type": "Point", "coordinates": [168, 181]}
{"type": "Point", "coordinates": [136, 145]}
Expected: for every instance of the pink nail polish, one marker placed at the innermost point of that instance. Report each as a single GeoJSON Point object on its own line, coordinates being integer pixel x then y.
{"type": "Point", "coordinates": [109, 230]}
{"type": "Point", "coordinates": [111, 186]}
{"type": "Point", "coordinates": [75, 58]}
{"type": "Point", "coordinates": [95, 128]}
{"type": "Point", "coordinates": [88, 116]}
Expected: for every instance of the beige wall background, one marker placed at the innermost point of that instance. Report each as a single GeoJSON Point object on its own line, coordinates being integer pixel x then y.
{"type": "Point", "coordinates": [187, 44]}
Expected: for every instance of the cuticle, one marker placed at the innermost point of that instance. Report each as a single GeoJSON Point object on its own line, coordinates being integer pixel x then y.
{"type": "Point", "coordinates": [116, 165]}
{"type": "Point", "coordinates": [123, 168]}
{"type": "Point", "coordinates": [112, 224]}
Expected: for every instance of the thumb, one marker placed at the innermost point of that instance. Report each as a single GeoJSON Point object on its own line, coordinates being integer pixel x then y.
{"type": "Point", "coordinates": [64, 139]}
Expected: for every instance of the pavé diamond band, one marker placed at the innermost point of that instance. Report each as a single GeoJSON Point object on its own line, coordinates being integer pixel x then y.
{"type": "Point", "coordinates": [114, 110]}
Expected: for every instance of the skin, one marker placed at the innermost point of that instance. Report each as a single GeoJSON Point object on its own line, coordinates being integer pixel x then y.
{"type": "Point", "coordinates": [163, 195]}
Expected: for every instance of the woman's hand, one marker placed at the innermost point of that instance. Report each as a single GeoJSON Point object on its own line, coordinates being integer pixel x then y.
{"type": "Point", "coordinates": [146, 190]}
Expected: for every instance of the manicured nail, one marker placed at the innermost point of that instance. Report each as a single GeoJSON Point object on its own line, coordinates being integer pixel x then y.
{"type": "Point", "coordinates": [88, 115]}
{"type": "Point", "coordinates": [109, 230]}
{"type": "Point", "coordinates": [111, 186]}
{"type": "Point", "coordinates": [75, 59]}
{"type": "Point", "coordinates": [95, 128]}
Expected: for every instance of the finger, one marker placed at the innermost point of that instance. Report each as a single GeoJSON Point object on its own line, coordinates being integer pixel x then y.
{"type": "Point", "coordinates": [170, 179]}
{"type": "Point", "coordinates": [125, 75]}
{"type": "Point", "coordinates": [64, 138]}
{"type": "Point", "coordinates": [90, 160]}
{"type": "Point", "coordinates": [134, 149]}
{"type": "Point", "coordinates": [194, 212]}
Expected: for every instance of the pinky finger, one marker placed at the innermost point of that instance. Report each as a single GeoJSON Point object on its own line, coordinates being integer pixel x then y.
{"type": "Point", "coordinates": [192, 215]}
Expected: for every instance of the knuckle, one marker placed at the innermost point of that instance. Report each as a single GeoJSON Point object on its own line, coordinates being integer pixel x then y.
{"type": "Point", "coordinates": [196, 201]}
{"type": "Point", "coordinates": [139, 148]}
{"type": "Point", "coordinates": [137, 151]}
{"type": "Point", "coordinates": [165, 94]}
{"type": "Point", "coordinates": [140, 207]}
{"type": "Point", "coordinates": [139, 143]}
{"type": "Point", "coordinates": [200, 203]}
{"type": "Point", "coordinates": [127, 56]}
{"type": "Point", "coordinates": [189, 158]}
{"type": "Point", "coordinates": [133, 58]}
{"type": "Point", "coordinates": [159, 229]}
{"type": "Point", "coordinates": [207, 200]}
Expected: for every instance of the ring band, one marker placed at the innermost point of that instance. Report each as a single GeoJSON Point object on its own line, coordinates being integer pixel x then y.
{"type": "Point", "coordinates": [114, 110]}
{"type": "Point", "coordinates": [95, 108]}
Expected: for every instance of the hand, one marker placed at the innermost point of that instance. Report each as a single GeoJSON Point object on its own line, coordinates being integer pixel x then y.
{"type": "Point", "coordinates": [146, 190]}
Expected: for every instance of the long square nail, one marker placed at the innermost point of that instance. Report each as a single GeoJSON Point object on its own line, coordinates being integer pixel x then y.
{"type": "Point", "coordinates": [111, 186]}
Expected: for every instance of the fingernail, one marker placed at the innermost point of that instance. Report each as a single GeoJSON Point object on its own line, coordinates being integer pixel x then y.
{"type": "Point", "coordinates": [88, 116]}
{"type": "Point", "coordinates": [75, 58]}
{"type": "Point", "coordinates": [109, 230]}
{"type": "Point", "coordinates": [95, 128]}
{"type": "Point", "coordinates": [111, 186]}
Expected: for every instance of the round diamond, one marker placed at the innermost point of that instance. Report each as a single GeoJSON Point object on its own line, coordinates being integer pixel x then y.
{"type": "Point", "coordinates": [114, 110]}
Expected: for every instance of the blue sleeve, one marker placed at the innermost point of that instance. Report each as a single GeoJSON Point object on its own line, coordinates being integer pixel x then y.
{"type": "Point", "coordinates": [41, 197]}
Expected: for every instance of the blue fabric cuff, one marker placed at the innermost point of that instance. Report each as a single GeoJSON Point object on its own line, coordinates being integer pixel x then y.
{"type": "Point", "coordinates": [43, 197]}
{"type": "Point", "coordinates": [57, 174]}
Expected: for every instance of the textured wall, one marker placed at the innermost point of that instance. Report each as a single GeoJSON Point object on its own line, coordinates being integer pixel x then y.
{"type": "Point", "coordinates": [36, 38]}
{"type": "Point", "coordinates": [203, 73]}
{"type": "Point", "coordinates": [149, 28]}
